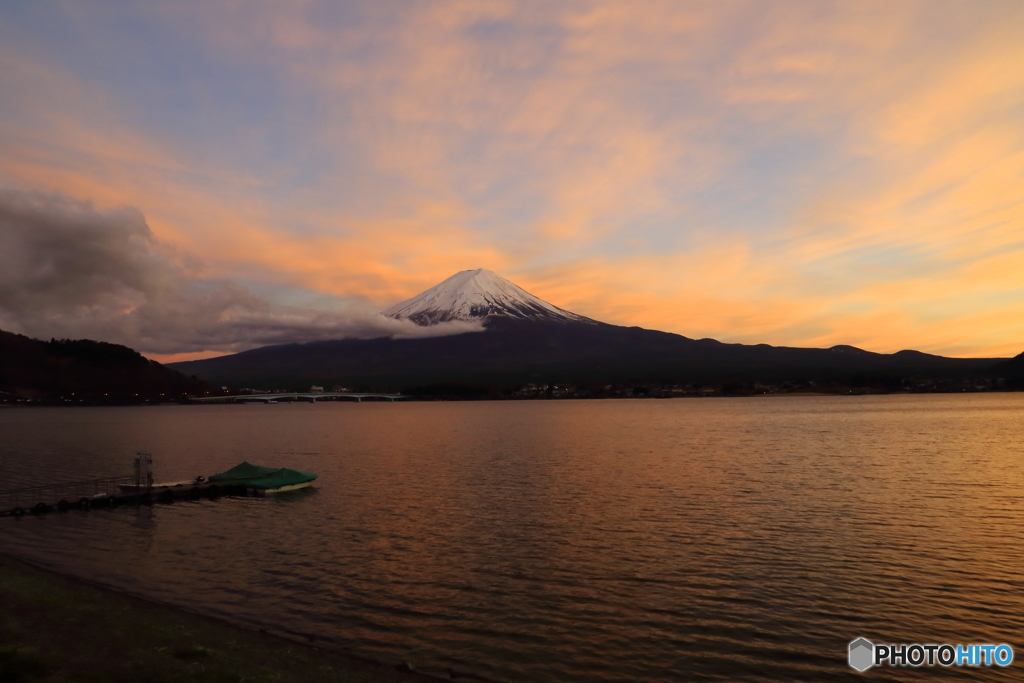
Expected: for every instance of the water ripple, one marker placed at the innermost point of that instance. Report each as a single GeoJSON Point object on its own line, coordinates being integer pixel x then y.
{"type": "Point", "coordinates": [608, 541]}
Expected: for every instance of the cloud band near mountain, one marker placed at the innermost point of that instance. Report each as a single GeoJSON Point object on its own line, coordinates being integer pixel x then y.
{"type": "Point", "coordinates": [69, 270]}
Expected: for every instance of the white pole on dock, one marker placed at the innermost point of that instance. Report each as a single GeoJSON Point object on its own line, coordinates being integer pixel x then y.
{"type": "Point", "coordinates": [144, 470]}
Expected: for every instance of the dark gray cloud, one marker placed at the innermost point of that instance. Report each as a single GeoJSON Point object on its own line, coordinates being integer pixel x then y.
{"type": "Point", "coordinates": [68, 270]}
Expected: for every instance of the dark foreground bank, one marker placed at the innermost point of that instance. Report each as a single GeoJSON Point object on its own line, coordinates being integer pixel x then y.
{"type": "Point", "coordinates": [56, 628]}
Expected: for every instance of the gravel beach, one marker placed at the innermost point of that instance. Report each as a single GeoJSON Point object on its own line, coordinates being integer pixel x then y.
{"type": "Point", "coordinates": [59, 628]}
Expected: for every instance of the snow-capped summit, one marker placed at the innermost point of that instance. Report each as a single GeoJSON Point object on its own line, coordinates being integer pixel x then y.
{"type": "Point", "coordinates": [474, 295]}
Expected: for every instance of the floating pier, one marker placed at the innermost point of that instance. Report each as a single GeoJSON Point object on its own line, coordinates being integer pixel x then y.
{"type": "Point", "coordinates": [107, 493]}
{"type": "Point", "coordinates": [242, 480]}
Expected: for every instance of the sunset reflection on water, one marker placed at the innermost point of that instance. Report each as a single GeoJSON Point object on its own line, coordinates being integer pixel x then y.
{"type": "Point", "coordinates": [642, 540]}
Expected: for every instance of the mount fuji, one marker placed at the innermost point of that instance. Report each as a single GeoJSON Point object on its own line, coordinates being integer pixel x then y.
{"type": "Point", "coordinates": [528, 340]}
{"type": "Point", "coordinates": [477, 294]}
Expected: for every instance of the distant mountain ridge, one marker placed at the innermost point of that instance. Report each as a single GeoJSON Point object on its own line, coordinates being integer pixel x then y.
{"type": "Point", "coordinates": [529, 340]}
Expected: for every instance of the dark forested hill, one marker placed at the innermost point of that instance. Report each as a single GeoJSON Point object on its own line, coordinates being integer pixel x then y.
{"type": "Point", "coordinates": [1013, 370]}
{"type": "Point", "coordinates": [85, 371]}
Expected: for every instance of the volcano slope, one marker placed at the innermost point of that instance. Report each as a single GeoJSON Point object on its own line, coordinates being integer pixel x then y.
{"type": "Point", "coordinates": [512, 351]}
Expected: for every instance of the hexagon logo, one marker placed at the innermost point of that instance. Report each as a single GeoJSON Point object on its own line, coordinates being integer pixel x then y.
{"type": "Point", "coordinates": [862, 654]}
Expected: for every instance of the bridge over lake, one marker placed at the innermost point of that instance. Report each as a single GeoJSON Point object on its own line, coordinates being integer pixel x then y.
{"type": "Point", "coordinates": [310, 397]}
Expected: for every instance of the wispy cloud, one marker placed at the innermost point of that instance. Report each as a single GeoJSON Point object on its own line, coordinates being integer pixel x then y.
{"type": "Point", "coordinates": [791, 173]}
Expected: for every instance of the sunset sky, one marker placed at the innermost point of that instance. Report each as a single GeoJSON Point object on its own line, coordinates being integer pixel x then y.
{"type": "Point", "coordinates": [195, 178]}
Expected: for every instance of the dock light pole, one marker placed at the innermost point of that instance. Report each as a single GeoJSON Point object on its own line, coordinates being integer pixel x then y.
{"type": "Point", "coordinates": [143, 470]}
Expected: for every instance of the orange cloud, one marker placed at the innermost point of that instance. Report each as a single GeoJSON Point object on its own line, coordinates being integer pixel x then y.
{"type": "Point", "coordinates": [747, 171]}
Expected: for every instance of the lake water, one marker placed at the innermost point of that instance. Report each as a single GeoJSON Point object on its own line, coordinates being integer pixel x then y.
{"type": "Point", "coordinates": [642, 541]}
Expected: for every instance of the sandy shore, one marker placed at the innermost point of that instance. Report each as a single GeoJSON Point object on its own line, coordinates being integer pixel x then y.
{"type": "Point", "coordinates": [59, 628]}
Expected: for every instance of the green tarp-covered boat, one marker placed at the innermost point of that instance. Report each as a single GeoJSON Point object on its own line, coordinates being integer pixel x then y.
{"type": "Point", "coordinates": [264, 479]}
